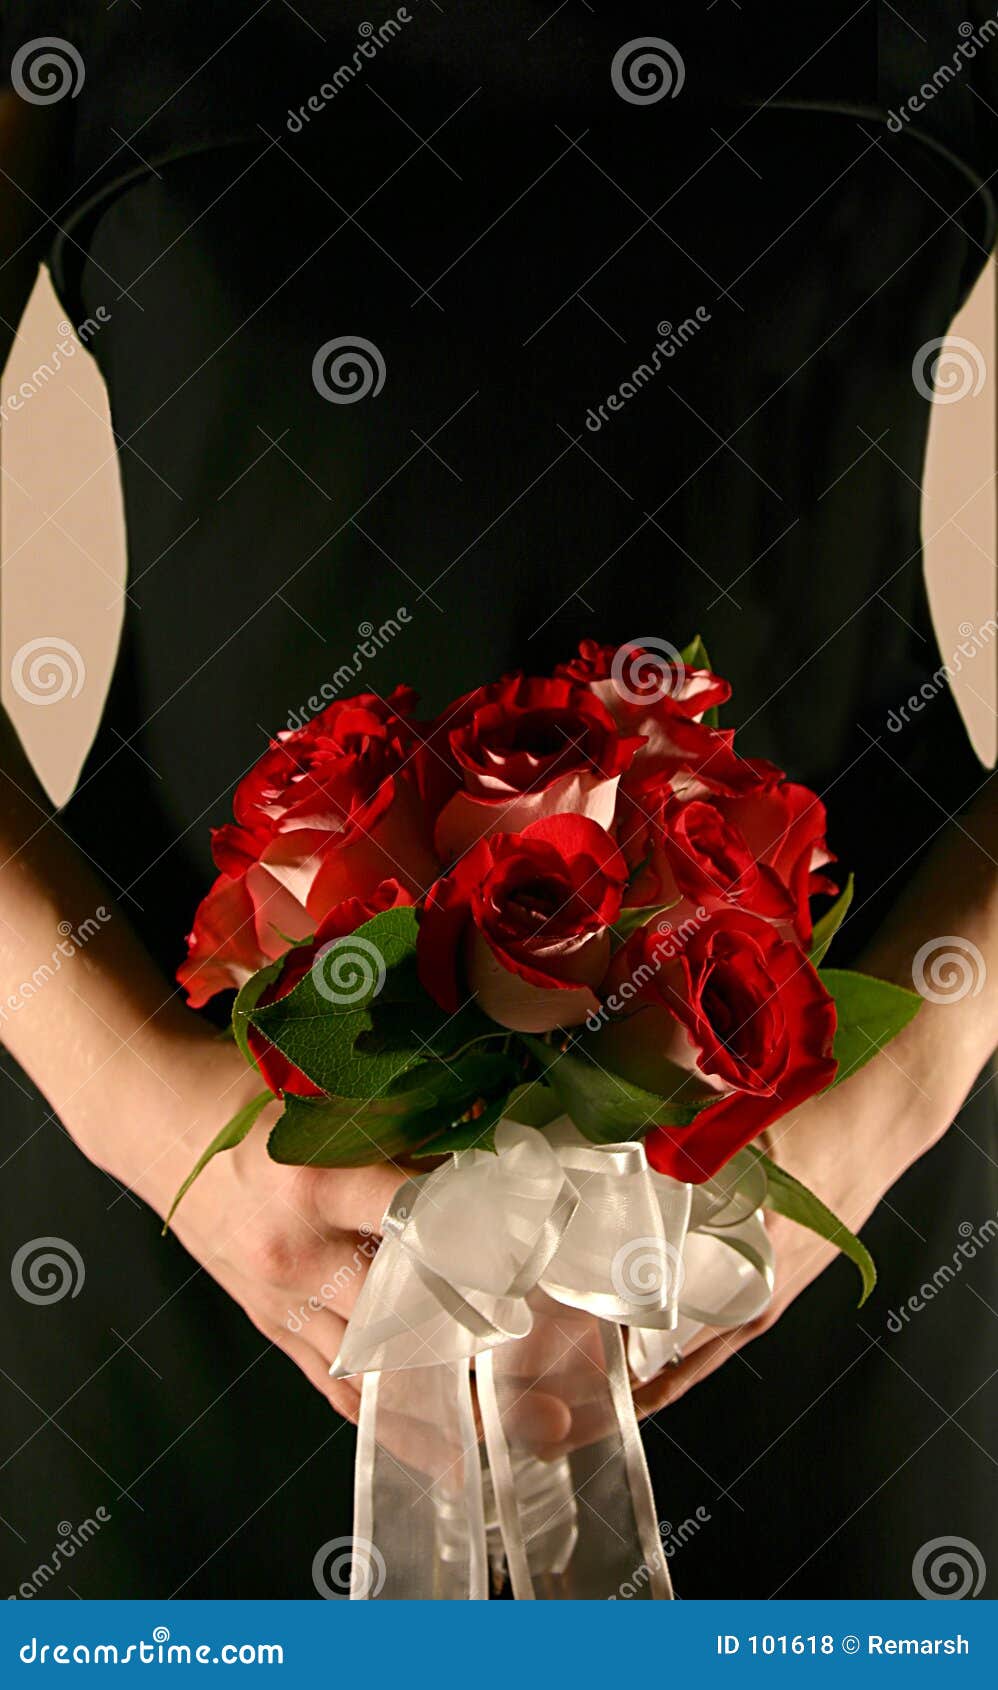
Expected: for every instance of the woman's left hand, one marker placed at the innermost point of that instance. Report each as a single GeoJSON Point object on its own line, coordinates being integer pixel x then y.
{"type": "Point", "coordinates": [849, 1146]}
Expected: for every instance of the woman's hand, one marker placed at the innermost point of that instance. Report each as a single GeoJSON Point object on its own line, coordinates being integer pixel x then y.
{"type": "Point", "coordinates": [851, 1144]}
{"type": "Point", "coordinates": [291, 1245]}
{"type": "Point", "coordinates": [848, 1146]}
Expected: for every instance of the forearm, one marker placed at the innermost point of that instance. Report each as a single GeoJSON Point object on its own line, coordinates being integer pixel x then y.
{"type": "Point", "coordinates": [942, 936]}
{"type": "Point", "coordinates": [82, 1007]}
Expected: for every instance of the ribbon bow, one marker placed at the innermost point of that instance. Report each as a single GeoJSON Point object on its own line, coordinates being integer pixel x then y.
{"type": "Point", "coordinates": [531, 1261]}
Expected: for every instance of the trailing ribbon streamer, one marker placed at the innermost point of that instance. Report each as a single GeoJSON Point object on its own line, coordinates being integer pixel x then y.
{"type": "Point", "coordinates": [532, 1260]}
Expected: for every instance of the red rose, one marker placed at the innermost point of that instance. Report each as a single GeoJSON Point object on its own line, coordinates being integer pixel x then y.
{"type": "Point", "coordinates": [727, 1002]}
{"type": "Point", "coordinates": [526, 748]}
{"type": "Point", "coordinates": [784, 826]}
{"type": "Point", "coordinates": [280, 1074]}
{"type": "Point", "coordinates": [696, 759]}
{"type": "Point", "coordinates": [654, 695]}
{"type": "Point", "coordinates": [521, 922]}
{"type": "Point", "coordinates": [632, 681]}
{"type": "Point", "coordinates": [760, 850]}
{"type": "Point", "coordinates": [329, 811]}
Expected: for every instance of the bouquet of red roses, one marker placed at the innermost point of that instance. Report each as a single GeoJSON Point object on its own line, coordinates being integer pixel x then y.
{"type": "Point", "coordinates": [568, 894]}
{"type": "Point", "coordinates": [557, 949]}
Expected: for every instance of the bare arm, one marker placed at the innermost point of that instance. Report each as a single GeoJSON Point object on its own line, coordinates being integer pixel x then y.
{"type": "Point", "coordinates": [854, 1142]}
{"type": "Point", "coordinates": [140, 1082]}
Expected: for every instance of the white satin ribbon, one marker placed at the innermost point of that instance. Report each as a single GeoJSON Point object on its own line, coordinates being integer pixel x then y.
{"type": "Point", "coordinates": [533, 1259]}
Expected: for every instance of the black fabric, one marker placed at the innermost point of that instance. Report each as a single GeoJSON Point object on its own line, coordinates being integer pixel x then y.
{"type": "Point", "coordinates": [513, 237]}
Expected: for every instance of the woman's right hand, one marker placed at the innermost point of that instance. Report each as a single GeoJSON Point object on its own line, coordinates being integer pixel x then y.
{"type": "Point", "coordinates": [291, 1245]}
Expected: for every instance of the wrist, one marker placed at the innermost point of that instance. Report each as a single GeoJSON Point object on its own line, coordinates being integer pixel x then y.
{"type": "Point", "coordinates": [160, 1100]}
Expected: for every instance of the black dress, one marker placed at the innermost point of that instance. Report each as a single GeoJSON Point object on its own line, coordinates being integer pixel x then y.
{"type": "Point", "coordinates": [488, 202]}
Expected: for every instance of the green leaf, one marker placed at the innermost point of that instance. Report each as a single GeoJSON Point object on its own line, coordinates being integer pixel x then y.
{"type": "Point", "coordinates": [479, 1134]}
{"type": "Point", "coordinates": [247, 998]}
{"type": "Point", "coordinates": [344, 1132]}
{"type": "Point", "coordinates": [604, 1106]}
{"type": "Point", "coordinates": [870, 1013]}
{"type": "Point", "coordinates": [351, 1132]}
{"type": "Point", "coordinates": [695, 657]}
{"type": "Point", "coordinates": [788, 1196]}
{"type": "Point", "coordinates": [357, 1035]}
{"type": "Point", "coordinates": [231, 1134]}
{"type": "Point", "coordinates": [630, 919]}
{"type": "Point", "coordinates": [829, 924]}
{"type": "Point", "coordinates": [533, 1105]}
